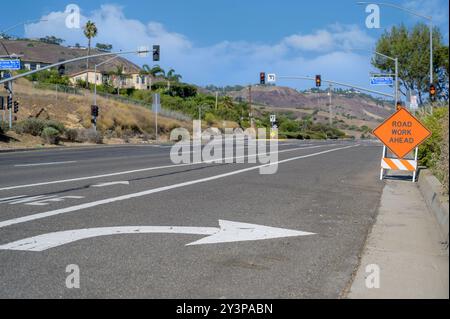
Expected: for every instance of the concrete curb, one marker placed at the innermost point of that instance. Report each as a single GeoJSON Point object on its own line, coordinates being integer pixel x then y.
{"type": "Point", "coordinates": [431, 190]}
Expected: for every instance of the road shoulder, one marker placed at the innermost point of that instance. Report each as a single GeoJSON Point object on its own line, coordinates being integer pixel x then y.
{"type": "Point", "coordinates": [406, 247]}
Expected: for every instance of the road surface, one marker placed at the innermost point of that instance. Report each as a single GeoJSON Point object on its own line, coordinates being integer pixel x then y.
{"type": "Point", "coordinates": [324, 198]}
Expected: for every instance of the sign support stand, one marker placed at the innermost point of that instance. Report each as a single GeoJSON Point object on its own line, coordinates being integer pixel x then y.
{"type": "Point", "coordinates": [382, 169]}
{"type": "Point", "coordinates": [415, 159]}
{"type": "Point", "coordinates": [402, 133]}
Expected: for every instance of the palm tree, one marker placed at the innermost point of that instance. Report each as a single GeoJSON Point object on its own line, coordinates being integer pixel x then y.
{"type": "Point", "coordinates": [156, 70]}
{"type": "Point", "coordinates": [121, 75]}
{"type": "Point", "coordinates": [90, 31]}
{"type": "Point", "coordinates": [172, 76]}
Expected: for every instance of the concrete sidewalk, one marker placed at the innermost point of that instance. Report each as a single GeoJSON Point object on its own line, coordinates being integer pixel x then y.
{"type": "Point", "coordinates": [406, 246]}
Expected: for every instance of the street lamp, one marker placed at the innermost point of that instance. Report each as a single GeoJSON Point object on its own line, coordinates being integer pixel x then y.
{"type": "Point", "coordinates": [429, 18]}
{"type": "Point", "coordinates": [14, 26]}
{"type": "Point", "coordinates": [21, 23]}
{"type": "Point", "coordinates": [396, 68]}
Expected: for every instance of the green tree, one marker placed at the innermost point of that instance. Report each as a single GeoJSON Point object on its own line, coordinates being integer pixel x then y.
{"type": "Point", "coordinates": [120, 75]}
{"type": "Point", "coordinates": [172, 76]}
{"type": "Point", "coordinates": [155, 71]}
{"type": "Point", "coordinates": [90, 31]}
{"type": "Point", "coordinates": [104, 47]}
{"type": "Point", "coordinates": [52, 40]}
{"type": "Point", "coordinates": [411, 47]}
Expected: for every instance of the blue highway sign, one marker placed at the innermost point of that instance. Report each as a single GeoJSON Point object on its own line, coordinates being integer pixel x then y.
{"type": "Point", "coordinates": [10, 64]}
{"type": "Point", "coordinates": [382, 80]}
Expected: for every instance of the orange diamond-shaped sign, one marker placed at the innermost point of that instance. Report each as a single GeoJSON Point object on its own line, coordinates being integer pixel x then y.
{"type": "Point", "coordinates": [401, 133]}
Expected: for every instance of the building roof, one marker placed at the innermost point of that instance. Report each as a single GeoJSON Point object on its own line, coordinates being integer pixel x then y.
{"type": "Point", "coordinates": [36, 51]}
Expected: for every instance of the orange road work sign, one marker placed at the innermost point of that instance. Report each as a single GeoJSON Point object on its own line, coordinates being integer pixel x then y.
{"type": "Point", "coordinates": [401, 133]}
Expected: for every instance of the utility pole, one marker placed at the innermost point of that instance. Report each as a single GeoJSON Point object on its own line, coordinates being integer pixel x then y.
{"type": "Point", "coordinates": [329, 106]}
{"type": "Point", "coordinates": [250, 105]}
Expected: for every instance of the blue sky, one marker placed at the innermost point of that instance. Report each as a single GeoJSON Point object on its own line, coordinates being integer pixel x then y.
{"type": "Point", "coordinates": [226, 42]}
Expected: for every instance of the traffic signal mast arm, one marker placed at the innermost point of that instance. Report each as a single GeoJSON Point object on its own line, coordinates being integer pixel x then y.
{"type": "Point", "coordinates": [335, 83]}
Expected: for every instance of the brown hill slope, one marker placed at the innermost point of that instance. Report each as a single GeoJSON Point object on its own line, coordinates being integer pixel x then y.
{"type": "Point", "coordinates": [351, 105]}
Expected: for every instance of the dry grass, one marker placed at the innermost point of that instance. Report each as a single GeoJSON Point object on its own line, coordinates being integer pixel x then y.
{"type": "Point", "coordinates": [74, 111]}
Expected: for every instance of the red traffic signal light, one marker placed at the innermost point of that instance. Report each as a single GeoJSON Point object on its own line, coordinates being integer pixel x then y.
{"type": "Point", "coordinates": [262, 78]}
{"type": "Point", "coordinates": [432, 89]}
{"type": "Point", "coordinates": [432, 92]}
{"type": "Point", "coordinates": [318, 80]}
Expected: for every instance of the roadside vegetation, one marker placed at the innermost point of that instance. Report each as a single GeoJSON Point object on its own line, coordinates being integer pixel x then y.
{"type": "Point", "coordinates": [433, 153]}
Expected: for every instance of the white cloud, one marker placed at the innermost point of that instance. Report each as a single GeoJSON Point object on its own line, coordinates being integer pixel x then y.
{"type": "Point", "coordinates": [336, 37]}
{"type": "Point", "coordinates": [224, 62]}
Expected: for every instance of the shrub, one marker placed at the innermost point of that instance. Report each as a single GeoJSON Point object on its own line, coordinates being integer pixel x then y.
{"type": "Point", "coordinates": [210, 118]}
{"type": "Point", "coordinates": [72, 135]}
{"type": "Point", "coordinates": [430, 151]}
{"type": "Point", "coordinates": [51, 135]}
{"type": "Point", "coordinates": [176, 89]}
{"type": "Point", "coordinates": [90, 135]}
{"type": "Point", "coordinates": [289, 126]}
{"type": "Point", "coordinates": [433, 153]}
{"type": "Point", "coordinates": [56, 125]}
{"type": "Point", "coordinates": [33, 126]}
{"type": "Point", "coordinates": [443, 160]}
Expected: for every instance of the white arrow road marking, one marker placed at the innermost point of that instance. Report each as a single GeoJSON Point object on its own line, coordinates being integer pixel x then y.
{"type": "Point", "coordinates": [111, 184]}
{"type": "Point", "coordinates": [147, 169]}
{"type": "Point", "coordinates": [228, 232]}
{"type": "Point", "coordinates": [155, 190]}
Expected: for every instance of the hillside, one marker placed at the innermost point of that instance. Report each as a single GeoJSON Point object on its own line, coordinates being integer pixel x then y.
{"type": "Point", "coordinates": [359, 107]}
{"type": "Point", "coordinates": [31, 50]}
{"type": "Point", "coordinates": [118, 122]}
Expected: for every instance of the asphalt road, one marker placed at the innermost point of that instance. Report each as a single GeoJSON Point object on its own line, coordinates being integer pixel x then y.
{"type": "Point", "coordinates": [330, 189]}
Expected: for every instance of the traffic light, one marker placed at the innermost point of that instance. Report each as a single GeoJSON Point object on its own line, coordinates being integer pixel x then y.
{"type": "Point", "coordinates": [318, 80]}
{"type": "Point", "coordinates": [9, 102]}
{"type": "Point", "coordinates": [94, 110]}
{"type": "Point", "coordinates": [16, 107]}
{"type": "Point", "coordinates": [262, 78]}
{"type": "Point", "coordinates": [432, 93]}
{"type": "Point", "coordinates": [156, 52]}
{"type": "Point", "coordinates": [399, 105]}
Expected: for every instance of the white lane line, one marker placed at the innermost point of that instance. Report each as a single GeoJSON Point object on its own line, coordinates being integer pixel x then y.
{"type": "Point", "coordinates": [155, 190]}
{"type": "Point", "coordinates": [7, 199]}
{"type": "Point", "coordinates": [112, 184]}
{"type": "Point", "coordinates": [44, 164]}
{"type": "Point", "coordinates": [144, 170]}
